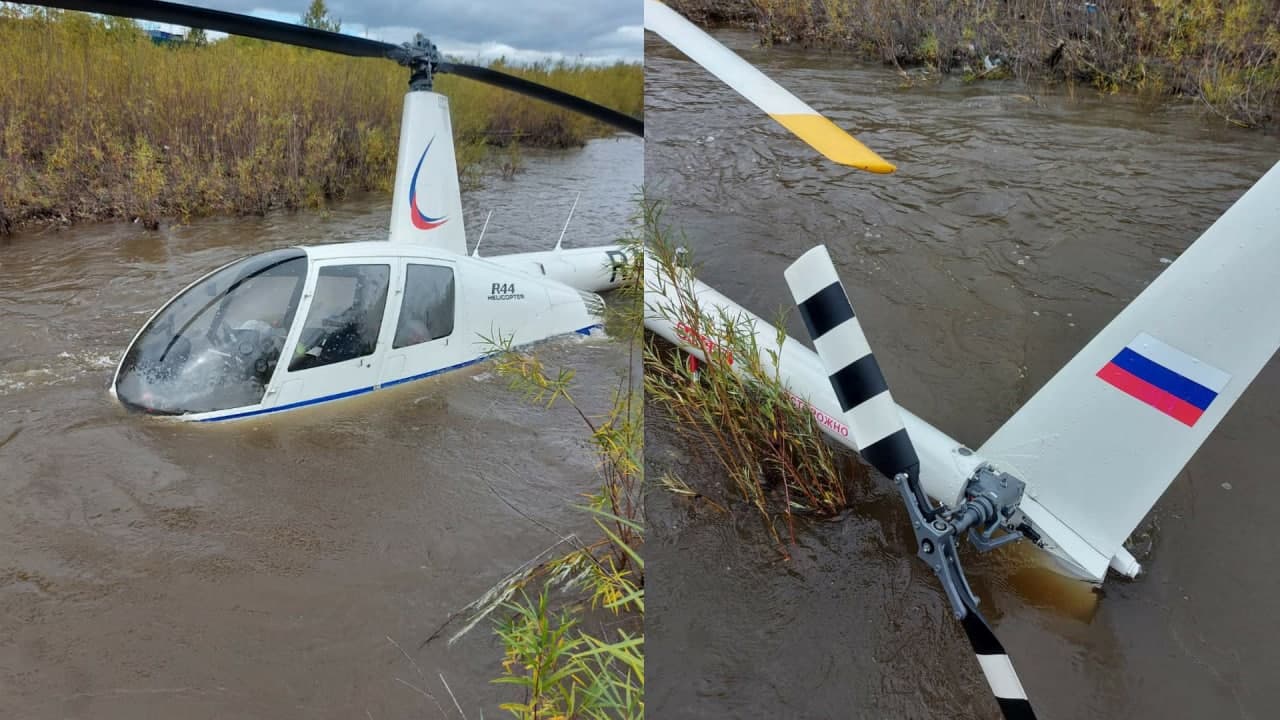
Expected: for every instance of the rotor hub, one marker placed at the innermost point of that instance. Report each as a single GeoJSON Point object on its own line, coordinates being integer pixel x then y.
{"type": "Point", "coordinates": [422, 57]}
{"type": "Point", "coordinates": [990, 504]}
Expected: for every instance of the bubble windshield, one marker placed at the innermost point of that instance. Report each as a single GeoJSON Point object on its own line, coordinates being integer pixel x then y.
{"type": "Point", "coordinates": [215, 346]}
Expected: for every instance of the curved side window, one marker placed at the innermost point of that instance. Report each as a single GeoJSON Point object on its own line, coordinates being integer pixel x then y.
{"type": "Point", "coordinates": [345, 315]}
{"type": "Point", "coordinates": [427, 311]}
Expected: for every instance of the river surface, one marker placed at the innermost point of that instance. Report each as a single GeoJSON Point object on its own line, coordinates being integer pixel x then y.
{"type": "Point", "coordinates": [1018, 224]}
{"type": "Point", "coordinates": [281, 567]}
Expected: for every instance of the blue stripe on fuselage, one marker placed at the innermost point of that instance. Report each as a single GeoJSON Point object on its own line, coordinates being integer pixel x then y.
{"type": "Point", "coordinates": [352, 393]}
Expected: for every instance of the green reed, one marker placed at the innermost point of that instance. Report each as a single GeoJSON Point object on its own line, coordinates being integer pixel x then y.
{"type": "Point", "coordinates": [564, 666]}
{"type": "Point", "coordinates": [735, 407]}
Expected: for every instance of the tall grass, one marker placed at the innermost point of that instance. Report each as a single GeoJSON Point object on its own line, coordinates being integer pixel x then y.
{"type": "Point", "coordinates": [1224, 53]}
{"type": "Point", "coordinates": [733, 404]}
{"type": "Point", "coordinates": [96, 121]}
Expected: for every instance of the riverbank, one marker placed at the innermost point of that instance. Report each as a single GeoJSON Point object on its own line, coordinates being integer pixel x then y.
{"type": "Point", "coordinates": [1225, 55]}
{"type": "Point", "coordinates": [1013, 231]}
{"type": "Point", "coordinates": [98, 122]}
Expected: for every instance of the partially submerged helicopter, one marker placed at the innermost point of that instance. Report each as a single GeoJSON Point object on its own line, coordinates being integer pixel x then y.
{"type": "Point", "coordinates": [294, 327]}
{"type": "Point", "coordinates": [1082, 462]}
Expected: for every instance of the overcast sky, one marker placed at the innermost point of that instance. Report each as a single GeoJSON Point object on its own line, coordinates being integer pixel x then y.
{"type": "Point", "coordinates": [521, 30]}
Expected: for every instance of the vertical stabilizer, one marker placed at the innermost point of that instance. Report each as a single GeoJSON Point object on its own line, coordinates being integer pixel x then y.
{"type": "Point", "coordinates": [427, 206]}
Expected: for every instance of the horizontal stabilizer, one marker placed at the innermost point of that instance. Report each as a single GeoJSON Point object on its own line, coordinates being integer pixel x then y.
{"type": "Point", "coordinates": [1104, 438]}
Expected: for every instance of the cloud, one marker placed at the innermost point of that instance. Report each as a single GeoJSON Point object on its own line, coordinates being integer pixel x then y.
{"type": "Point", "coordinates": [521, 31]}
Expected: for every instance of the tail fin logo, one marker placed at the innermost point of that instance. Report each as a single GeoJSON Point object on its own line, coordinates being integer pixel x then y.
{"type": "Point", "coordinates": [421, 220]}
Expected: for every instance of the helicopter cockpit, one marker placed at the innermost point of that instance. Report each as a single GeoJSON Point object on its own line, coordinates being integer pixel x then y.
{"type": "Point", "coordinates": [217, 344]}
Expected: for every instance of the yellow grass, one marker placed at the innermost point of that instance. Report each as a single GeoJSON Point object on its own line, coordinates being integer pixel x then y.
{"type": "Point", "coordinates": [97, 121]}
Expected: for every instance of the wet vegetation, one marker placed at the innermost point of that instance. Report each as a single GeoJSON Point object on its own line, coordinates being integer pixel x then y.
{"type": "Point", "coordinates": [1224, 54]}
{"type": "Point", "coordinates": [97, 121]}
{"type": "Point", "coordinates": [732, 405]}
{"type": "Point", "coordinates": [571, 619]}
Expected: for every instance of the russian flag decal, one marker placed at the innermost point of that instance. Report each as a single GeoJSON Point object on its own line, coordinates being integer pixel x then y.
{"type": "Point", "coordinates": [1165, 378]}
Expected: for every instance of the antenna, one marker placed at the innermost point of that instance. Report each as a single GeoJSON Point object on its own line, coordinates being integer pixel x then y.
{"type": "Point", "coordinates": [566, 220]}
{"type": "Point", "coordinates": [476, 252]}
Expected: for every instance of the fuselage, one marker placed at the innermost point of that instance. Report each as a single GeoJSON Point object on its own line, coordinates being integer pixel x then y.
{"type": "Point", "coordinates": [294, 327]}
{"type": "Point", "coordinates": [299, 326]}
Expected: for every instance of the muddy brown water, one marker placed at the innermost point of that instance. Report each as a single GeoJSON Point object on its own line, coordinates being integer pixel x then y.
{"type": "Point", "coordinates": [1019, 223]}
{"type": "Point", "coordinates": [262, 568]}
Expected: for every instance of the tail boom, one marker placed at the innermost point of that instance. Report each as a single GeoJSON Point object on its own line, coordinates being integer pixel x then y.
{"type": "Point", "coordinates": [945, 464]}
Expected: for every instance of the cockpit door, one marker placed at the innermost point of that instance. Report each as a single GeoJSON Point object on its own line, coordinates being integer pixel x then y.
{"type": "Point", "coordinates": [422, 336]}
{"type": "Point", "coordinates": [337, 344]}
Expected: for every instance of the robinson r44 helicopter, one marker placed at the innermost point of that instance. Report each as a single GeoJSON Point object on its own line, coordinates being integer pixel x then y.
{"type": "Point", "coordinates": [294, 327]}
{"type": "Point", "coordinates": [1082, 462]}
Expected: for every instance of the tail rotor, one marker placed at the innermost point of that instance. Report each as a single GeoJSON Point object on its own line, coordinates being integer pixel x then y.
{"type": "Point", "coordinates": [876, 427]}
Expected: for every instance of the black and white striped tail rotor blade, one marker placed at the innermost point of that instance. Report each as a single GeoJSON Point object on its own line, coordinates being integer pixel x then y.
{"type": "Point", "coordinates": [997, 667]}
{"type": "Point", "coordinates": [875, 425]}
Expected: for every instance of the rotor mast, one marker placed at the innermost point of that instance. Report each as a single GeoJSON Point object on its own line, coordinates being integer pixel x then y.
{"type": "Point", "coordinates": [426, 206]}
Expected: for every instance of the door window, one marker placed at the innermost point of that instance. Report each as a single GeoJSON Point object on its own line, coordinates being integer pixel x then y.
{"type": "Point", "coordinates": [427, 310]}
{"type": "Point", "coordinates": [345, 316]}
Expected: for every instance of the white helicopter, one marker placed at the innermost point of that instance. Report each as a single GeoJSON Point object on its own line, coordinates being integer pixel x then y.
{"type": "Point", "coordinates": [1082, 462]}
{"type": "Point", "coordinates": [294, 327]}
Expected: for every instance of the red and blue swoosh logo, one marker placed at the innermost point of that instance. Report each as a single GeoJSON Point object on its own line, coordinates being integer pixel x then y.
{"type": "Point", "coordinates": [421, 220]}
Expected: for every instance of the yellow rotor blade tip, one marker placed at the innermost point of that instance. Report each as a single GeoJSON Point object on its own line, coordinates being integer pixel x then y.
{"type": "Point", "coordinates": [835, 144]}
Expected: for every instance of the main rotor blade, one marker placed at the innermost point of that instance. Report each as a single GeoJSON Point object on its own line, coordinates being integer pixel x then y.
{"type": "Point", "coordinates": [621, 121]}
{"type": "Point", "coordinates": [997, 667]}
{"type": "Point", "coordinates": [302, 36]}
{"type": "Point", "coordinates": [790, 111]}
{"type": "Point", "coordinates": [232, 24]}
